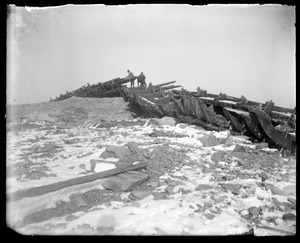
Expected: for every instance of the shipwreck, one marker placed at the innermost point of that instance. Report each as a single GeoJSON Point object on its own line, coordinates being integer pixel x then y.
{"type": "Point", "coordinates": [261, 122]}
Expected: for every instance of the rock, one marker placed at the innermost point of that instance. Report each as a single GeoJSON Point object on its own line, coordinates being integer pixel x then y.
{"type": "Point", "coordinates": [228, 141]}
{"type": "Point", "coordinates": [85, 229]}
{"type": "Point", "coordinates": [290, 190]}
{"type": "Point", "coordinates": [239, 148]}
{"type": "Point", "coordinates": [208, 204]}
{"type": "Point", "coordinates": [278, 221]}
{"type": "Point", "coordinates": [217, 156]}
{"type": "Point", "coordinates": [104, 230]}
{"type": "Point", "coordinates": [171, 182]}
{"type": "Point", "coordinates": [234, 188]}
{"type": "Point", "coordinates": [288, 206]}
{"type": "Point", "coordinates": [125, 181]}
{"type": "Point", "coordinates": [166, 121]}
{"type": "Point", "coordinates": [262, 145]}
{"type": "Point", "coordinates": [203, 187]}
{"type": "Point", "coordinates": [289, 216]}
{"type": "Point", "coordinates": [209, 216]}
{"type": "Point", "coordinates": [209, 140]}
{"type": "Point", "coordinates": [71, 217]}
{"type": "Point", "coordinates": [159, 195]}
{"type": "Point", "coordinates": [255, 211]}
{"type": "Point", "coordinates": [184, 192]}
{"type": "Point", "coordinates": [169, 189]}
{"type": "Point", "coordinates": [77, 200]}
{"type": "Point", "coordinates": [117, 151]}
{"type": "Point", "coordinates": [71, 206]}
{"type": "Point", "coordinates": [162, 183]}
{"type": "Point", "coordinates": [277, 202]}
{"type": "Point", "coordinates": [182, 125]}
{"type": "Point", "coordinates": [275, 189]}
{"type": "Point", "coordinates": [208, 170]}
{"type": "Point", "coordinates": [292, 200]}
{"type": "Point", "coordinates": [140, 194]}
{"type": "Point", "coordinates": [154, 183]}
{"type": "Point", "coordinates": [241, 175]}
{"type": "Point", "coordinates": [247, 216]}
{"type": "Point", "coordinates": [157, 141]}
{"type": "Point", "coordinates": [106, 155]}
{"type": "Point", "coordinates": [263, 176]}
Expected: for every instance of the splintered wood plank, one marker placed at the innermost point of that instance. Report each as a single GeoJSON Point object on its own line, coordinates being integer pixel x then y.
{"type": "Point", "coordinates": [37, 191]}
{"type": "Point", "coordinates": [236, 125]}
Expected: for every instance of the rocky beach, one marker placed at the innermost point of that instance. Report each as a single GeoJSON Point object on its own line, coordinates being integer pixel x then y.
{"type": "Point", "coordinates": [195, 182]}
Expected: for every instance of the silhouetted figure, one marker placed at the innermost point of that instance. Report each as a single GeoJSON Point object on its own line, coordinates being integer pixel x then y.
{"type": "Point", "coordinates": [141, 79]}
{"type": "Point", "coordinates": [131, 77]}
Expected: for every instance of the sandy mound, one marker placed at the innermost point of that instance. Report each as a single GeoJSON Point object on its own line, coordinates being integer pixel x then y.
{"type": "Point", "coordinates": [72, 109]}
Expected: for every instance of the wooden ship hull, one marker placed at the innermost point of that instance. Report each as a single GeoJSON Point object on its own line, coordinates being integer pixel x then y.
{"type": "Point", "coordinates": [210, 111]}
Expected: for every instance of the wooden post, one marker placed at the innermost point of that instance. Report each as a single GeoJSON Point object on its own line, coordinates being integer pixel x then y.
{"type": "Point", "coordinates": [37, 191]}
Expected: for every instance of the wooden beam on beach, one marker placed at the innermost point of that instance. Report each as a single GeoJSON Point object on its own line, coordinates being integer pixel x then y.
{"type": "Point", "coordinates": [37, 191]}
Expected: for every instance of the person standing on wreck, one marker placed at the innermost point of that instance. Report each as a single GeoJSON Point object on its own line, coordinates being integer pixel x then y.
{"type": "Point", "coordinates": [141, 79]}
{"type": "Point", "coordinates": [131, 77]}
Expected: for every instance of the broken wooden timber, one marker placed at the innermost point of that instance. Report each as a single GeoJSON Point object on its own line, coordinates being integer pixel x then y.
{"type": "Point", "coordinates": [151, 88]}
{"type": "Point", "coordinates": [284, 140]}
{"type": "Point", "coordinates": [207, 113]}
{"type": "Point", "coordinates": [249, 102]}
{"type": "Point", "coordinates": [37, 191]}
{"type": "Point", "coordinates": [275, 114]}
{"type": "Point", "coordinates": [163, 84]}
{"type": "Point", "coordinates": [170, 87]}
{"type": "Point", "coordinates": [252, 129]}
{"type": "Point", "coordinates": [179, 105]}
{"type": "Point", "coordinates": [235, 124]}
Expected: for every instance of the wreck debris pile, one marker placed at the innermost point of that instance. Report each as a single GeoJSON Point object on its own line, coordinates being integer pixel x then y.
{"type": "Point", "coordinates": [263, 122]}
{"type": "Point", "coordinates": [212, 112]}
{"type": "Point", "coordinates": [110, 88]}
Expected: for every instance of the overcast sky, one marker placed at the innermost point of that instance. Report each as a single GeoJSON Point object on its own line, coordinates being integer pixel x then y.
{"type": "Point", "coordinates": [234, 49]}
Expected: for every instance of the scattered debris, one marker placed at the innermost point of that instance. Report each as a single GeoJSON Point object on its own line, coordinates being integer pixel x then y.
{"type": "Point", "coordinates": [176, 172]}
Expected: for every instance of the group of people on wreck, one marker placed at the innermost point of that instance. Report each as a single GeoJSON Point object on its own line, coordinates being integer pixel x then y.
{"type": "Point", "coordinates": [140, 79]}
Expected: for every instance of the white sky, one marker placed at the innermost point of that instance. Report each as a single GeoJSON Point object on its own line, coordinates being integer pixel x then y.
{"type": "Point", "coordinates": [235, 49]}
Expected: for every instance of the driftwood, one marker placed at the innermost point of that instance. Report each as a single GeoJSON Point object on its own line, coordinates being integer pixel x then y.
{"type": "Point", "coordinates": [37, 191]}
